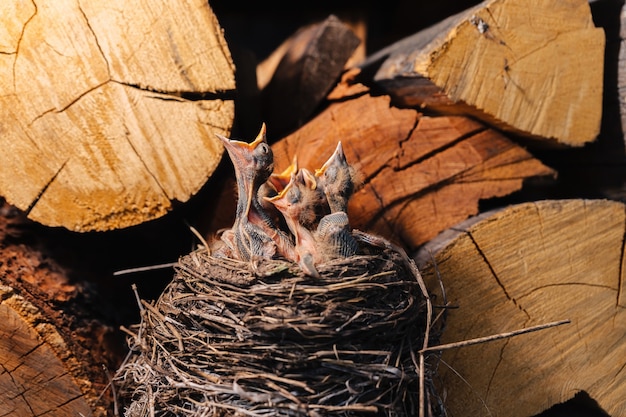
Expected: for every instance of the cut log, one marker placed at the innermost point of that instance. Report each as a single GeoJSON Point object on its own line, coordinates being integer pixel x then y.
{"type": "Point", "coordinates": [418, 175]}
{"type": "Point", "coordinates": [55, 341]}
{"type": "Point", "coordinates": [108, 112]}
{"type": "Point", "coordinates": [534, 68]}
{"type": "Point", "coordinates": [526, 265]}
{"type": "Point", "coordinates": [312, 62]}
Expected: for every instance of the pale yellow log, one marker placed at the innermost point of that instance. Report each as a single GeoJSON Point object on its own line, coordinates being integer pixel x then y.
{"type": "Point", "coordinates": [109, 109]}
{"type": "Point", "coordinates": [533, 67]}
{"type": "Point", "coordinates": [527, 265]}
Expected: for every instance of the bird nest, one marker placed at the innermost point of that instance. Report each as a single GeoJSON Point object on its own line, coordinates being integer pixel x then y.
{"type": "Point", "coordinates": [228, 337]}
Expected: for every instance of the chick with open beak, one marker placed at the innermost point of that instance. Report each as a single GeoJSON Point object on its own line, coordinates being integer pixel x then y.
{"type": "Point", "coordinates": [254, 233]}
{"type": "Point", "coordinates": [274, 185]}
{"type": "Point", "coordinates": [290, 203]}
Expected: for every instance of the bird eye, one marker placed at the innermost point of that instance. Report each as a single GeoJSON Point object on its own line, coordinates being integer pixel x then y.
{"type": "Point", "coordinates": [264, 148]}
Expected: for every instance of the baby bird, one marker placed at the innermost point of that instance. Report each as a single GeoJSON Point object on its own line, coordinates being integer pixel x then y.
{"type": "Point", "coordinates": [275, 184]}
{"type": "Point", "coordinates": [336, 178]}
{"type": "Point", "coordinates": [291, 204]}
{"type": "Point", "coordinates": [253, 232]}
{"type": "Point", "coordinates": [314, 204]}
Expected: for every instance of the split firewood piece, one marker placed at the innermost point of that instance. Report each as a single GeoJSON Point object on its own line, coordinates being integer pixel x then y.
{"type": "Point", "coordinates": [621, 69]}
{"type": "Point", "coordinates": [418, 175]}
{"type": "Point", "coordinates": [526, 265]}
{"type": "Point", "coordinates": [108, 110]}
{"type": "Point", "coordinates": [356, 22]}
{"type": "Point", "coordinates": [56, 342]}
{"type": "Point", "coordinates": [311, 64]}
{"type": "Point", "coordinates": [534, 68]}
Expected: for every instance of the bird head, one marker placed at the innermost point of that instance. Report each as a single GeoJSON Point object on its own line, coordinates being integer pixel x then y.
{"type": "Point", "coordinates": [254, 160]}
{"type": "Point", "coordinates": [253, 163]}
{"type": "Point", "coordinates": [333, 167]}
{"type": "Point", "coordinates": [287, 199]}
{"type": "Point", "coordinates": [337, 180]}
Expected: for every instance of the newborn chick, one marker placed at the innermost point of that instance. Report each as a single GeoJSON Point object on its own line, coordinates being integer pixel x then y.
{"type": "Point", "coordinates": [274, 185]}
{"type": "Point", "coordinates": [336, 179]}
{"type": "Point", "coordinates": [314, 204]}
{"type": "Point", "coordinates": [253, 232]}
{"type": "Point", "coordinates": [291, 204]}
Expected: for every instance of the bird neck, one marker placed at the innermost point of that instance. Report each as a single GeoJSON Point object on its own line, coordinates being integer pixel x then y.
{"type": "Point", "coordinates": [337, 203]}
{"type": "Point", "coordinates": [243, 200]}
{"type": "Point", "coordinates": [257, 214]}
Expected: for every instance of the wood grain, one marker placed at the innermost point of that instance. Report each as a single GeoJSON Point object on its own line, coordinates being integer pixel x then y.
{"type": "Point", "coordinates": [108, 112]}
{"type": "Point", "coordinates": [533, 68]}
{"type": "Point", "coordinates": [526, 265]}
{"type": "Point", "coordinates": [418, 174]}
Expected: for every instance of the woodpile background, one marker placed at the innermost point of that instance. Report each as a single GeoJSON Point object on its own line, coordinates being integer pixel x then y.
{"type": "Point", "coordinates": [489, 139]}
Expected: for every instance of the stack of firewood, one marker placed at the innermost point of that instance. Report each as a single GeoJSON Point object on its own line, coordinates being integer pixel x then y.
{"type": "Point", "coordinates": [488, 145]}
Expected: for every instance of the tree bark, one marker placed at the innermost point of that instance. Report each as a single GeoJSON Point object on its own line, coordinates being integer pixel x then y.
{"type": "Point", "coordinates": [109, 111]}
{"type": "Point", "coordinates": [525, 265]}
{"type": "Point", "coordinates": [531, 68]}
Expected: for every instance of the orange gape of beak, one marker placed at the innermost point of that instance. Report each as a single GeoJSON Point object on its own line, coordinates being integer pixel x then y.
{"type": "Point", "coordinates": [280, 181]}
{"type": "Point", "coordinates": [279, 199]}
{"type": "Point", "coordinates": [337, 155]}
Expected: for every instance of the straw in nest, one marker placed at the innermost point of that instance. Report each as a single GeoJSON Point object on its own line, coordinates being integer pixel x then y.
{"type": "Point", "coordinates": [263, 339]}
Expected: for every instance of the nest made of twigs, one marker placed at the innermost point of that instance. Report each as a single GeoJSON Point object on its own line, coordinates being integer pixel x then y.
{"type": "Point", "coordinates": [263, 339]}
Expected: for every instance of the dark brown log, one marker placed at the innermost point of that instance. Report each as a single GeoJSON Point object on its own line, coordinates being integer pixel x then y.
{"type": "Point", "coordinates": [56, 344]}
{"type": "Point", "coordinates": [311, 65]}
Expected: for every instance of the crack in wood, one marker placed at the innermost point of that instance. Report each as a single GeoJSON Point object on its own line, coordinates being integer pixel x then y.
{"type": "Point", "coordinates": [495, 275]}
{"type": "Point", "coordinates": [168, 96]}
{"type": "Point", "coordinates": [402, 200]}
{"type": "Point", "coordinates": [29, 352]}
{"type": "Point", "coordinates": [19, 41]}
{"type": "Point", "coordinates": [64, 403]}
{"type": "Point", "coordinates": [621, 297]}
{"type": "Point", "coordinates": [224, 95]}
{"type": "Point", "coordinates": [448, 145]}
{"type": "Point", "coordinates": [45, 188]}
{"type": "Point", "coordinates": [495, 370]}
{"type": "Point", "coordinates": [61, 110]}
{"type": "Point", "coordinates": [154, 177]}
{"type": "Point", "coordinates": [431, 187]}
{"type": "Point", "coordinates": [95, 39]}
{"type": "Point", "coordinates": [20, 394]}
{"type": "Point", "coordinates": [564, 284]}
